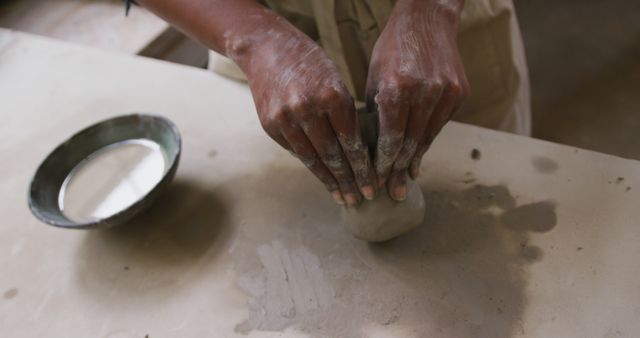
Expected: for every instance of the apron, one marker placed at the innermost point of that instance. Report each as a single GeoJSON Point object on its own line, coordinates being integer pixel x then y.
{"type": "Point", "coordinates": [489, 41]}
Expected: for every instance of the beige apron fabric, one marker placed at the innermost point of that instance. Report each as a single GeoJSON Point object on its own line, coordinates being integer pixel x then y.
{"type": "Point", "coordinates": [489, 40]}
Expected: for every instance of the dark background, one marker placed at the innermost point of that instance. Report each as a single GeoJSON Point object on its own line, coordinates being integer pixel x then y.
{"type": "Point", "coordinates": [584, 64]}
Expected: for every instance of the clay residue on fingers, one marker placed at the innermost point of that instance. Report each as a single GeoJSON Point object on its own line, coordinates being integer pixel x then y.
{"type": "Point", "coordinates": [388, 148]}
{"type": "Point", "coordinates": [354, 148]}
{"type": "Point", "coordinates": [406, 154]}
{"type": "Point", "coordinates": [334, 159]}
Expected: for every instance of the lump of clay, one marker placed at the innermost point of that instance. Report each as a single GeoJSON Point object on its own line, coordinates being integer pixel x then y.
{"type": "Point", "coordinates": [384, 218]}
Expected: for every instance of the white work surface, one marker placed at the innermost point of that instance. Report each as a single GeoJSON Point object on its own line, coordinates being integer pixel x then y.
{"type": "Point", "coordinates": [533, 239]}
{"type": "Point", "coordinates": [96, 23]}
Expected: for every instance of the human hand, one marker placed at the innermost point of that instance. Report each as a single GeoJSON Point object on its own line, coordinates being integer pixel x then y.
{"type": "Point", "coordinates": [304, 106]}
{"type": "Point", "coordinates": [417, 81]}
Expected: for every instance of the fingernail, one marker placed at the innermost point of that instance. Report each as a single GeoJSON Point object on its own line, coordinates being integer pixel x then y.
{"type": "Point", "coordinates": [351, 199]}
{"type": "Point", "coordinates": [400, 193]}
{"type": "Point", "coordinates": [337, 196]}
{"type": "Point", "coordinates": [368, 192]}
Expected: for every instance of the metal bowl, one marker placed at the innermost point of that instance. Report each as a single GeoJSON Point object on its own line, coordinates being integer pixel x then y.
{"type": "Point", "coordinates": [52, 176]}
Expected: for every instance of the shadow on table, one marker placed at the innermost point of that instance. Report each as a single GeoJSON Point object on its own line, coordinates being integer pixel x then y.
{"type": "Point", "coordinates": [158, 249]}
{"type": "Point", "coordinates": [469, 260]}
{"type": "Point", "coordinates": [462, 273]}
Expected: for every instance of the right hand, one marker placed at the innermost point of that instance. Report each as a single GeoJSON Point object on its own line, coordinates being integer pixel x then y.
{"type": "Point", "coordinates": [304, 106]}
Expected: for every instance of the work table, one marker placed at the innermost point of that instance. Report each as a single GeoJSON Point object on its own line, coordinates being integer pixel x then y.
{"type": "Point", "coordinates": [532, 239]}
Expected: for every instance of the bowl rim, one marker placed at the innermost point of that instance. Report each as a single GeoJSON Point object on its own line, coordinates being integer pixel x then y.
{"type": "Point", "coordinates": [43, 213]}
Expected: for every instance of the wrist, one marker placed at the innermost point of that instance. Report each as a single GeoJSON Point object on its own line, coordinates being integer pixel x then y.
{"type": "Point", "coordinates": [261, 40]}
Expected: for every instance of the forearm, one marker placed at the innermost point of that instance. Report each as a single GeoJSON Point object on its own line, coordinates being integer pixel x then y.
{"type": "Point", "coordinates": [230, 27]}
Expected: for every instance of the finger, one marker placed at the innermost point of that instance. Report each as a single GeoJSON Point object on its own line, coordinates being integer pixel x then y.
{"type": "Point", "coordinates": [371, 91]}
{"type": "Point", "coordinates": [442, 113]}
{"type": "Point", "coordinates": [302, 148]}
{"type": "Point", "coordinates": [276, 135]}
{"type": "Point", "coordinates": [272, 128]}
{"type": "Point", "coordinates": [397, 185]}
{"type": "Point", "coordinates": [326, 145]}
{"type": "Point", "coordinates": [414, 167]}
{"type": "Point", "coordinates": [393, 114]}
{"type": "Point", "coordinates": [344, 124]}
{"type": "Point", "coordinates": [418, 122]}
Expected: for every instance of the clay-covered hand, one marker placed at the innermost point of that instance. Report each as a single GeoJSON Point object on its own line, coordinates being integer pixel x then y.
{"type": "Point", "coordinates": [304, 106]}
{"type": "Point", "coordinates": [417, 81]}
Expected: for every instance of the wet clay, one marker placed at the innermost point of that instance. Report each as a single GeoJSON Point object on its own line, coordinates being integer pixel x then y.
{"type": "Point", "coordinates": [383, 218]}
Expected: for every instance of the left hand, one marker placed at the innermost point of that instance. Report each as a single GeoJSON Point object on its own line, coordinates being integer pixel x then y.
{"type": "Point", "coordinates": [417, 80]}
